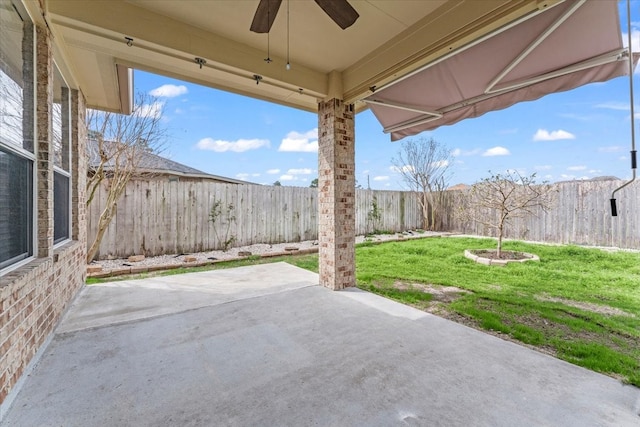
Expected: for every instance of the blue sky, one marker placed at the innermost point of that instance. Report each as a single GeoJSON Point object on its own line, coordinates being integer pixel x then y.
{"type": "Point", "coordinates": [578, 134]}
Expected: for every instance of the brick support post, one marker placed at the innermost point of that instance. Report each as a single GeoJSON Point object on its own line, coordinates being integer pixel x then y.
{"type": "Point", "coordinates": [78, 168]}
{"type": "Point", "coordinates": [336, 194]}
{"type": "Point", "coordinates": [44, 141]}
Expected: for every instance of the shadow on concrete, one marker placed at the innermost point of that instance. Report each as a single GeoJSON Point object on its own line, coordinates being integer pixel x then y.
{"type": "Point", "coordinates": [265, 346]}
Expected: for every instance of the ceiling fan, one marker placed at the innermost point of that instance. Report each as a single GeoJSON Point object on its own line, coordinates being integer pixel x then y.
{"type": "Point", "coordinates": [340, 11]}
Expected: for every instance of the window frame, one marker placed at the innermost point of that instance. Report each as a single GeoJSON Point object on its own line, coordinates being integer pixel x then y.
{"type": "Point", "coordinates": [22, 152]}
{"type": "Point", "coordinates": [65, 141]}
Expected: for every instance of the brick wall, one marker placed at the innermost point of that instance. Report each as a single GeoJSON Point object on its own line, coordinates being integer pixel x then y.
{"type": "Point", "coordinates": [34, 296]}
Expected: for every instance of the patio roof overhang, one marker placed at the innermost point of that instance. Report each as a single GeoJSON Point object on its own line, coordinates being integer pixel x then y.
{"type": "Point", "coordinates": [551, 50]}
{"type": "Point", "coordinates": [388, 41]}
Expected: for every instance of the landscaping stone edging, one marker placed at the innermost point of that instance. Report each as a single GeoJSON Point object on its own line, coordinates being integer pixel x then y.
{"type": "Point", "coordinates": [146, 269]}
{"type": "Point", "coordinates": [499, 262]}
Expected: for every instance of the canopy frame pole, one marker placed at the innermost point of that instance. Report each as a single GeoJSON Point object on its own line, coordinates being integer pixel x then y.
{"type": "Point", "coordinates": [542, 37]}
{"type": "Point", "coordinates": [634, 153]}
{"type": "Point", "coordinates": [607, 58]}
{"type": "Point", "coordinates": [465, 47]}
{"type": "Point", "coordinates": [405, 107]}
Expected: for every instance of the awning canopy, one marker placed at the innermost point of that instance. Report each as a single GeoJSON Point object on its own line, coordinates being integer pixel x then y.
{"type": "Point", "coordinates": [557, 49]}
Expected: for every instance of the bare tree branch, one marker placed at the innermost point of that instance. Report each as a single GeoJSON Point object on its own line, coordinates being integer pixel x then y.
{"type": "Point", "coordinates": [425, 168]}
{"type": "Point", "coordinates": [495, 200]}
{"type": "Point", "coordinates": [116, 151]}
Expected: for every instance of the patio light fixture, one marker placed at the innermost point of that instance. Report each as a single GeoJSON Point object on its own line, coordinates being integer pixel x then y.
{"type": "Point", "coordinates": [288, 66]}
{"type": "Point", "coordinates": [200, 61]}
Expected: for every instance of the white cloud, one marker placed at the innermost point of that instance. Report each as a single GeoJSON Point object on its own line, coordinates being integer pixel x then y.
{"type": "Point", "coordinates": [554, 135]}
{"type": "Point", "coordinates": [440, 164]}
{"type": "Point", "coordinates": [405, 168]}
{"type": "Point", "coordinates": [169, 91]}
{"type": "Point", "coordinates": [305, 171]}
{"type": "Point", "coordinates": [576, 168]}
{"type": "Point", "coordinates": [306, 142]}
{"type": "Point", "coordinates": [242, 176]}
{"type": "Point", "coordinates": [543, 167]}
{"type": "Point", "coordinates": [620, 106]}
{"type": "Point", "coordinates": [635, 40]}
{"type": "Point", "coordinates": [287, 178]}
{"type": "Point", "coordinates": [580, 117]}
{"type": "Point", "coordinates": [255, 174]}
{"type": "Point", "coordinates": [572, 177]}
{"type": "Point", "coordinates": [610, 149]}
{"type": "Point", "coordinates": [458, 152]}
{"type": "Point", "coordinates": [496, 151]}
{"type": "Point", "coordinates": [273, 171]}
{"type": "Point", "coordinates": [592, 171]}
{"type": "Point", "coordinates": [238, 146]}
{"type": "Point", "coordinates": [153, 110]}
{"type": "Point", "coordinates": [381, 178]}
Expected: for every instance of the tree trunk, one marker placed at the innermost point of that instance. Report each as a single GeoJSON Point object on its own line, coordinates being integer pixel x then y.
{"type": "Point", "coordinates": [424, 204]}
{"type": "Point", "coordinates": [103, 224]}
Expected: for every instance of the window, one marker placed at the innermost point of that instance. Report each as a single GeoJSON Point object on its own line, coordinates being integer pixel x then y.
{"type": "Point", "coordinates": [16, 143]}
{"type": "Point", "coordinates": [60, 207]}
{"type": "Point", "coordinates": [16, 235]}
{"type": "Point", "coordinates": [61, 154]}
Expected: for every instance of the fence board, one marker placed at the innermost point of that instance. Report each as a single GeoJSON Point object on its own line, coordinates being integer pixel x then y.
{"type": "Point", "coordinates": [160, 217]}
{"type": "Point", "coordinates": [581, 215]}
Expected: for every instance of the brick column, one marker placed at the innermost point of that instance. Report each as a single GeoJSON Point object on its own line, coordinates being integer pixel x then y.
{"type": "Point", "coordinates": [44, 141]}
{"type": "Point", "coordinates": [336, 194]}
{"type": "Point", "coordinates": [78, 168]}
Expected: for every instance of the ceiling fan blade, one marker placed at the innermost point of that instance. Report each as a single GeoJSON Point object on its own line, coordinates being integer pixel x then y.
{"type": "Point", "coordinates": [340, 11]}
{"type": "Point", "coordinates": [265, 15]}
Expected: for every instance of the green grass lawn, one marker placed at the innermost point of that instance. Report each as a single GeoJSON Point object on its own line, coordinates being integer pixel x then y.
{"type": "Point", "coordinates": [581, 305]}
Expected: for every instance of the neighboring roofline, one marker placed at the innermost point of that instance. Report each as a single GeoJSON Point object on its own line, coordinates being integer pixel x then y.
{"type": "Point", "coordinates": [194, 175]}
{"type": "Point", "coordinates": [185, 175]}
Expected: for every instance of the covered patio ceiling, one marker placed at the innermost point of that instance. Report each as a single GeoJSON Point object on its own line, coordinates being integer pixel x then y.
{"type": "Point", "coordinates": [389, 40]}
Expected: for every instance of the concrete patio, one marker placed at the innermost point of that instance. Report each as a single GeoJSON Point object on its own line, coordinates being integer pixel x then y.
{"type": "Point", "coordinates": [265, 345]}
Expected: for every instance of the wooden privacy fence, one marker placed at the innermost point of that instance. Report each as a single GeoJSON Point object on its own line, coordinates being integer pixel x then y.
{"type": "Point", "coordinates": [157, 217]}
{"type": "Point", "coordinates": [581, 215]}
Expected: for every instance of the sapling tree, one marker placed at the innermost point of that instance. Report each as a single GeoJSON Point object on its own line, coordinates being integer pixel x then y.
{"type": "Point", "coordinates": [425, 167]}
{"type": "Point", "coordinates": [116, 149]}
{"type": "Point", "coordinates": [507, 196]}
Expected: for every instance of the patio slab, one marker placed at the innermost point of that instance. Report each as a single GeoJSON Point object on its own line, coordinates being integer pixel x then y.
{"type": "Point", "coordinates": [265, 345]}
